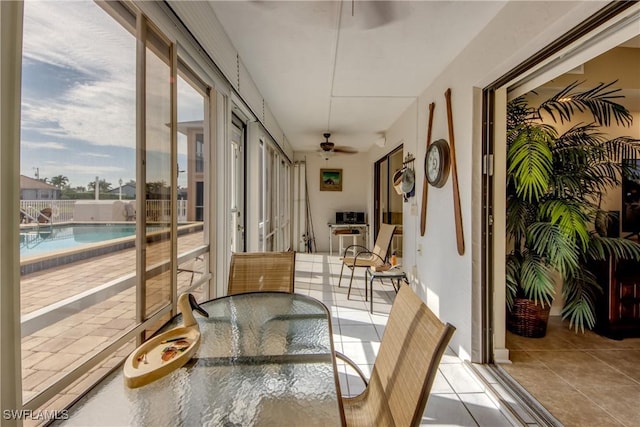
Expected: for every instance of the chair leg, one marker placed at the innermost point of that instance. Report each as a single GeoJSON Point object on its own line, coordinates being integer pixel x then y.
{"type": "Point", "coordinates": [340, 280]}
{"type": "Point", "coordinates": [353, 269]}
{"type": "Point", "coordinates": [366, 281]}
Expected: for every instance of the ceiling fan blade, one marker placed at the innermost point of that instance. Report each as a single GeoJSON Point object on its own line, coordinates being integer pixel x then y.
{"type": "Point", "coordinates": [344, 150]}
{"type": "Point", "coordinates": [375, 13]}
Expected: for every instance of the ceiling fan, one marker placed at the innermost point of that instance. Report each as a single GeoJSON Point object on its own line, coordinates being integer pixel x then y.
{"type": "Point", "coordinates": [329, 147]}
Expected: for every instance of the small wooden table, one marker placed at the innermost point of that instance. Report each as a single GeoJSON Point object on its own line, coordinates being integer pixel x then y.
{"type": "Point", "coordinates": [363, 230]}
{"type": "Point", "coordinates": [395, 274]}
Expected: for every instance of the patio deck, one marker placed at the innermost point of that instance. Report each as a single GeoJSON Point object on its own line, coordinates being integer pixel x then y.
{"type": "Point", "coordinates": [458, 397]}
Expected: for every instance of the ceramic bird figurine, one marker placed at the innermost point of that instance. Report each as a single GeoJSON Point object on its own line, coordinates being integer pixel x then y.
{"type": "Point", "coordinates": [167, 351]}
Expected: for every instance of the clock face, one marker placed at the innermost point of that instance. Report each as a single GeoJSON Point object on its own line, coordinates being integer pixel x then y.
{"type": "Point", "coordinates": [433, 164]}
{"type": "Point", "coordinates": [436, 163]}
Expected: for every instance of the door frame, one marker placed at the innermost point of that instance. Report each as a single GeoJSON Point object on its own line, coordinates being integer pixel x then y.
{"type": "Point", "coordinates": [240, 163]}
{"type": "Point", "coordinates": [377, 186]}
{"type": "Point", "coordinates": [493, 97]}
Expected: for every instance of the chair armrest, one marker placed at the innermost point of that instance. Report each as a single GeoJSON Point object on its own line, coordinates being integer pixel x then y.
{"type": "Point", "coordinates": [367, 252]}
{"type": "Point", "coordinates": [353, 365]}
{"type": "Point", "coordinates": [353, 246]}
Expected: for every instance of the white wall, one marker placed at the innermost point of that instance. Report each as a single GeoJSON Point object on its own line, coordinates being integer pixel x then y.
{"type": "Point", "coordinates": [448, 282]}
{"type": "Point", "coordinates": [356, 181]}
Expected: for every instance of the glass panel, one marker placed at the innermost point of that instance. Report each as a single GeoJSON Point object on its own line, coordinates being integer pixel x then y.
{"type": "Point", "coordinates": [191, 182]}
{"type": "Point", "coordinates": [158, 175]}
{"type": "Point", "coordinates": [199, 148]}
{"type": "Point", "coordinates": [78, 128]}
{"type": "Point", "coordinates": [261, 195]}
{"type": "Point", "coordinates": [236, 163]}
{"type": "Point", "coordinates": [384, 191]}
{"type": "Point", "coordinates": [395, 199]}
{"type": "Point", "coordinates": [270, 195]}
{"type": "Point", "coordinates": [395, 203]}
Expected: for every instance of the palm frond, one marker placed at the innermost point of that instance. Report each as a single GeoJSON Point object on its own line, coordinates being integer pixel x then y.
{"type": "Point", "coordinates": [513, 265]}
{"type": "Point", "coordinates": [623, 147]}
{"type": "Point", "coordinates": [549, 242]}
{"type": "Point", "coordinates": [600, 101]}
{"type": "Point", "coordinates": [570, 219]}
{"type": "Point", "coordinates": [518, 217]}
{"type": "Point", "coordinates": [580, 291]}
{"type": "Point", "coordinates": [518, 112]}
{"type": "Point", "coordinates": [536, 279]}
{"type": "Point", "coordinates": [601, 247]}
{"type": "Point", "coordinates": [530, 162]}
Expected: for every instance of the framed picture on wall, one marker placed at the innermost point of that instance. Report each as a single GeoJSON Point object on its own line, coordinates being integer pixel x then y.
{"type": "Point", "coordinates": [330, 179]}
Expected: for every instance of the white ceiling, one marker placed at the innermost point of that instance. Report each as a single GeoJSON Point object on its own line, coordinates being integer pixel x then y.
{"type": "Point", "coordinates": [350, 68]}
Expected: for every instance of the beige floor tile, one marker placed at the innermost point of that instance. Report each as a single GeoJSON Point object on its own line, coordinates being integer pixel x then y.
{"type": "Point", "coordinates": [570, 374]}
{"type": "Point", "coordinates": [621, 402]}
{"type": "Point", "coordinates": [626, 361]}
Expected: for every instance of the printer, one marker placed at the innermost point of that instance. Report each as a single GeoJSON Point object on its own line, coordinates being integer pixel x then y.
{"type": "Point", "coordinates": [350, 218]}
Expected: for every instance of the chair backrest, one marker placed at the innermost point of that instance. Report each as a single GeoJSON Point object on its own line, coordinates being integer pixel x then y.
{"type": "Point", "coordinates": [383, 241]}
{"type": "Point", "coordinates": [261, 272]}
{"type": "Point", "coordinates": [407, 362]}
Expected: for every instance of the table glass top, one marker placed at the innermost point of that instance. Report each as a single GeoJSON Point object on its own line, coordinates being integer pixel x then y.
{"type": "Point", "coordinates": [265, 359]}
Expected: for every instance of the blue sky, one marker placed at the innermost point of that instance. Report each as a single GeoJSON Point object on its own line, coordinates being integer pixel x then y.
{"type": "Point", "coordinates": [78, 95]}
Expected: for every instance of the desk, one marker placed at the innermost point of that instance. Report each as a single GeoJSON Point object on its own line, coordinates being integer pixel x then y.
{"type": "Point", "coordinates": [265, 359]}
{"type": "Point", "coordinates": [394, 274]}
{"type": "Point", "coordinates": [362, 228]}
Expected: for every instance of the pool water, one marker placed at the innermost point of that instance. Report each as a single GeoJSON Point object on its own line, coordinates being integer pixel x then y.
{"type": "Point", "coordinates": [48, 239]}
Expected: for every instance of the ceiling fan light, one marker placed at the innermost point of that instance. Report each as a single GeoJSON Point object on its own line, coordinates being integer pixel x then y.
{"type": "Point", "coordinates": [326, 145]}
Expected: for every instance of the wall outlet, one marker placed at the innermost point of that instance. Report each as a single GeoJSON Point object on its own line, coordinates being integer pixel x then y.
{"type": "Point", "coordinates": [414, 209]}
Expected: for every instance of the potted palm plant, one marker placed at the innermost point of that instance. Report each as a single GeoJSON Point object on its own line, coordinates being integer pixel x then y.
{"type": "Point", "coordinates": [555, 184]}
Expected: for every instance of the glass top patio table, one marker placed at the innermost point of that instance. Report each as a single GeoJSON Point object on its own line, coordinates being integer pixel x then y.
{"type": "Point", "coordinates": [265, 359]}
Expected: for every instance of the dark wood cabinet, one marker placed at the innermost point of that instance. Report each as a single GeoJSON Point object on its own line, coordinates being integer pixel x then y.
{"type": "Point", "coordinates": [618, 309]}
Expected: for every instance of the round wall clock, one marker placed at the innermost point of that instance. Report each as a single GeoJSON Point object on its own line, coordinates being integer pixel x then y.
{"type": "Point", "coordinates": [436, 163]}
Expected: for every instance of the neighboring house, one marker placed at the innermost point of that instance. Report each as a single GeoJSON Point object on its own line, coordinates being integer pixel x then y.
{"type": "Point", "coordinates": [128, 191]}
{"type": "Point", "coordinates": [34, 189]}
{"type": "Point", "coordinates": [194, 130]}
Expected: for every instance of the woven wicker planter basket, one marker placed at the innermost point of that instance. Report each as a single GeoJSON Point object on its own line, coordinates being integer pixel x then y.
{"type": "Point", "coordinates": [528, 319]}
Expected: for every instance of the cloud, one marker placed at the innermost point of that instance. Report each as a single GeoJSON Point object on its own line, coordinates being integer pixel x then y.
{"type": "Point", "coordinates": [81, 36]}
{"type": "Point", "coordinates": [92, 170]}
{"type": "Point", "coordinates": [50, 145]}
{"type": "Point", "coordinates": [96, 155]}
{"type": "Point", "coordinates": [93, 104]}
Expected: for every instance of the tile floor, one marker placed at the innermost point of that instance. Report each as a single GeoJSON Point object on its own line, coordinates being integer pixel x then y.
{"type": "Point", "coordinates": [582, 379]}
{"type": "Point", "coordinates": [458, 397]}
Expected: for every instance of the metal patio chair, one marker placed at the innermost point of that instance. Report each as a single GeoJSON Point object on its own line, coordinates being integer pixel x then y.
{"type": "Point", "coordinates": [368, 258]}
{"type": "Point", "coordinates": [412, 346]}
{"type": "Point", "coordinates": [261, 272]}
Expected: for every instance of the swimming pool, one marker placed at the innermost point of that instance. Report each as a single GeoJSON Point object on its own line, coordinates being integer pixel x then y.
{"type": "Point", "coordinates": [45, 239]}
{"type": "Point", "coordinates": [44, 247]}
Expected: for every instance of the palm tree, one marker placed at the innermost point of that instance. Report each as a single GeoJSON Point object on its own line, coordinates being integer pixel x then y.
{"type": "Point", "coordinates": [103, 186]}
{"type": "Point", "coordinates": [60, 181]}
{"type": "Point", "coordinates": [555, 184]}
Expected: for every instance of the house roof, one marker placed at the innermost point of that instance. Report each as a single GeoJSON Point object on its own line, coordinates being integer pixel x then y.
{"type": "Point", "coordinates": [124, 187]}
{"type": "Point", "coordinates": [34, 184]}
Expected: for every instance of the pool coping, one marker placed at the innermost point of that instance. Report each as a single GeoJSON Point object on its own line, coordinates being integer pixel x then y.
{"type": "Point", "coordinates": [37, 263]}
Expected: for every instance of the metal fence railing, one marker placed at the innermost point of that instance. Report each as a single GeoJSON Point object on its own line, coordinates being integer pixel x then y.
{"type": "Point", "coordinates": [62, 210]}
